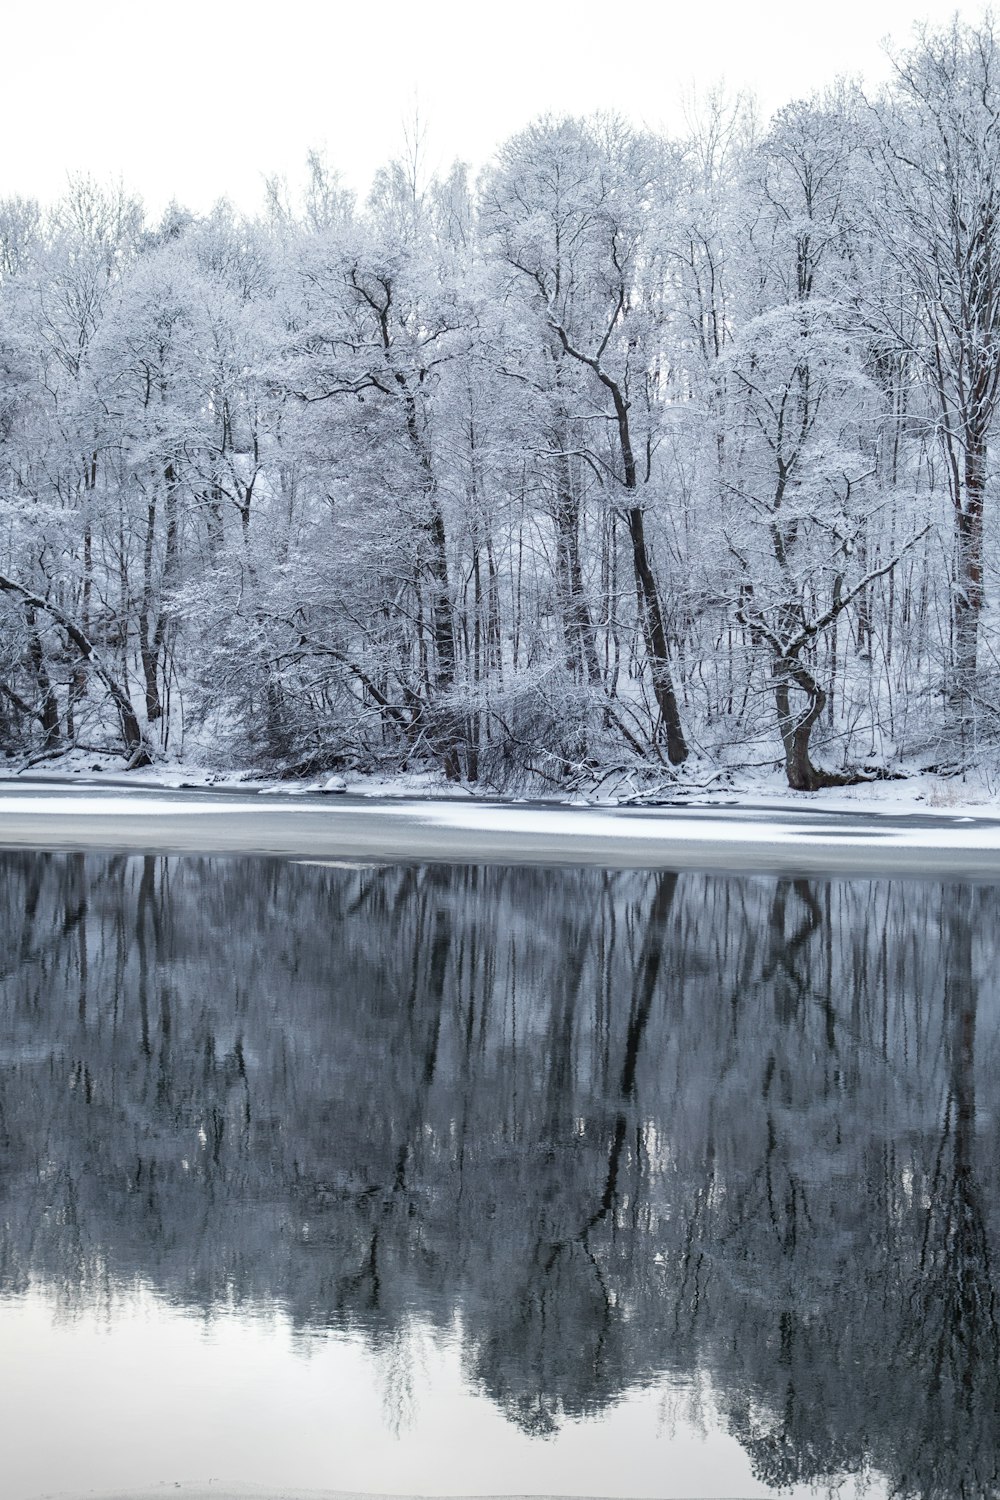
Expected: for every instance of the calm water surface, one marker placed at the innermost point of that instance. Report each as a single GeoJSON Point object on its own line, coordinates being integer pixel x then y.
{"type": "Point", "coordinates": [453, 1180]}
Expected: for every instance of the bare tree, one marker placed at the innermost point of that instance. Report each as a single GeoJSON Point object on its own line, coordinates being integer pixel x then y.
{"type": "Point", "coordinates": [937, 140]}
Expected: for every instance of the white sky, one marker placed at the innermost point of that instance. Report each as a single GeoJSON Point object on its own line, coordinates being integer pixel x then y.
{"type": "Point", "coordinates": [196, 99]}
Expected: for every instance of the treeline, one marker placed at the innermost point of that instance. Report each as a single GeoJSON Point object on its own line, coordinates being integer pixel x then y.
{"type": "Point", "coordinates": [634, 453]}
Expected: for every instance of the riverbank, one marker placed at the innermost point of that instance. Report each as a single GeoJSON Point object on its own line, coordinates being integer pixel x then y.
{"type": "Point", "coordinates": [306, 824]}
{"type": "Point", "coordinates": [972, 793]}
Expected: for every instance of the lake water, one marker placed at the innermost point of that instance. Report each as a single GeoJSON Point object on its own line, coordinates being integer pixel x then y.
{"type": "Point", "coordinates": [453, 1180]}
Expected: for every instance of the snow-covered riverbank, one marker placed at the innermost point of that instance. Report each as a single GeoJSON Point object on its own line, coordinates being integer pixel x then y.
{"type": "Point", "coordinates": [972, 794]}
{"type": "Point", "coordinates": [307, 825]}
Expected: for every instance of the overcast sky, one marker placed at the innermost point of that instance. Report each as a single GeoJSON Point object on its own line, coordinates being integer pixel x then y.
{"type": "Point", "coordinates": [195, 100]}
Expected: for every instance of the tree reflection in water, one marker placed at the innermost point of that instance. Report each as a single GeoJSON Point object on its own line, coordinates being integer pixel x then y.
{"type": "Point", "coordinates": [623, 1125]}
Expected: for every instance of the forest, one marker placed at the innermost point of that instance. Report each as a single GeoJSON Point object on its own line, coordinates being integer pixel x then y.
{"type": "Point", "coordinates": [663, 457]}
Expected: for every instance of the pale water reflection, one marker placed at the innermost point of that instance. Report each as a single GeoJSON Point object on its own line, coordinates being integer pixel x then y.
{"type": "Point", "coordinates": [454, 1180]}
{"type": "Point", "coordinates": [154, 1395]}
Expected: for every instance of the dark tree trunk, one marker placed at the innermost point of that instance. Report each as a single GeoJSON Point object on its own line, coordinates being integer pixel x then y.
{"type": "Point", "coordinates": [796, 729]}
{"type": "Point", "coordinates": [655, 636]}
{"type": "Point", "coordinates": [576, 612]}
{"type": "Point", "coordinates": [650, 611]}
{"type": "Point", "coordinates": [136, 750]}
{"type": "Point", "coordinates": [146, 654]}
{"type": "Point", "coordinates": [436, 562]}
{"type": "Point", "coordinates": [969, 567]}
{"type": "Point", "coordinates": [445, 646]}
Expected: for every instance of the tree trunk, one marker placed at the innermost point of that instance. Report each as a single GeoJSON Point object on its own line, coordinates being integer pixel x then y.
{"type": "Point", "coordinates": [443, 626]}
{"type": "Point", "coordinates": [576, 612]}
{"type": "Point", "coordinates": [969, 567]}
{"type": "Point", "coordinates": [651, 614]}
{"type": "Point", "coordinates": [655, 637]}
{"type": "Point", "coordinates": [802, 775]}
{"type": "Point", "coordinates": [442, 614]}
{"type": "Point", "coordinates": [136, 750]}
{"type": "Point", "coordinates": [147, 655]}
{"type": "Point", "coordinates": [48, 715]}
{"type": "Point", "coordinates": [78, 681]}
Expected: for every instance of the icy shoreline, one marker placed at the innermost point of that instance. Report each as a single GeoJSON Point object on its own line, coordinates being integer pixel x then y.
{"type": "Point", "coordinates": [727, 839]}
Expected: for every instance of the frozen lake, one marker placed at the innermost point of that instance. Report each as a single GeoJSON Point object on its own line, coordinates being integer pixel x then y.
{"type": "Point", "coordinates": [477, 1180]}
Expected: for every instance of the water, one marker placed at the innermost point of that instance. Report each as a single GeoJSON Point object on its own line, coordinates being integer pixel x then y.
{"type": "Point", "coordinates": [454, 1180]}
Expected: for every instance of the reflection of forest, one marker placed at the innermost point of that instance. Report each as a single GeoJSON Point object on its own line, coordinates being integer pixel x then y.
{"type": "Point", "coordinates": [627, 1124]}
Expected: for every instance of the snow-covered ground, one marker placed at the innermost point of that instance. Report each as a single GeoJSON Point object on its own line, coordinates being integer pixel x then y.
{"type": "Point", "coordinates": [725, 836]}
{"type": "Point", "coordinates": [970, 795]}
{"type": "Point", "coordinates": [973, 794]}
